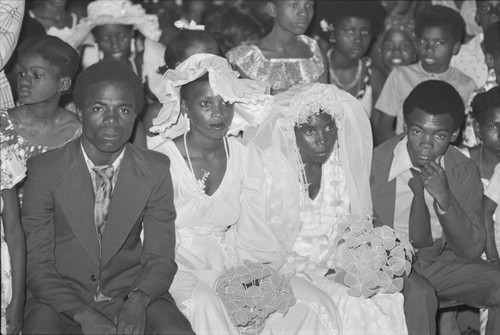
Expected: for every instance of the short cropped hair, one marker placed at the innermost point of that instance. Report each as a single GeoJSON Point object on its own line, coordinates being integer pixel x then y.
{"type": "Point", "coordinates": [108, 70]}
{"type": "Point", "coordinates": [54, 50]}
{"type": "Point", "coordinates": [483, 102]}
{"type": "Point", "coordinates": [491, 42]}
{"type": "Point", "coordinates": [180, 44]}
{"type": "Point", "coordinates": [436, 97]}
{"type": "Point", "coordinates": [231, 27]}
{"type": "Point", "coordinates": [443, 17]}
{"type": "Point", "coordinates": [335, 11]}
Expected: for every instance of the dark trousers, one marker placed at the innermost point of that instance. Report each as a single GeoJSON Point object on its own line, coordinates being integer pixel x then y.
{"type": "Point", "coordinates": [163, 317]}
{"type": "Point", "coordinates": [476, 284]}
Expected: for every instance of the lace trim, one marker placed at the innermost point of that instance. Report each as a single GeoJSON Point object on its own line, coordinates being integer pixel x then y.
{"type": "Point", "coordinates": [323, 315]}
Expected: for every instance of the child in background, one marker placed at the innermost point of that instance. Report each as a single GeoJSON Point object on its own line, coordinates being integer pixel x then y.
{"type": "Point", "coordinates": [470, 59]}
{"type": "Point", "coordinates": [185, 44]}
{"type": "Point", "coordinates": [285, 57]}
{"type": "Point", "coordinates": [439, 31]}
{"type": "Point", "coordinates": [351, 26]}
{"type": "Point", "coordinates": [491, 49]}
{"type": "Point", "coordinates": [397, 45]}
{"type": "Point", "coordinates": [115, 22]}
{"type": "Point", "coordinates": [46, 67]}
{"type": "Point", "coordinates": [232, 28]}
{"type": "Point", "coordinates": [486, 115]}
{"type": "Point", "coordinates": [13, 243]}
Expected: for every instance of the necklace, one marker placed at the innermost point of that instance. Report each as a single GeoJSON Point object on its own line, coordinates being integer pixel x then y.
{"type": "Point", "coordinates": [337, 81]}
{"type": "Point", "coordinates": [201, 182]}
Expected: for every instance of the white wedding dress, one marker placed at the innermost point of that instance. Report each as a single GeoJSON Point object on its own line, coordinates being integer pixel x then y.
{"type": "Point", "coordinates": [380, 314]}
{"type": "Point", "coordinates": [218, 231]}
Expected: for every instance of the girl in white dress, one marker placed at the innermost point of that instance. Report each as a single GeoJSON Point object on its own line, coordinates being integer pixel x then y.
{"type": "Point", "coordinates": [220, 197]}
{"type": "Point", "coordinates": [317, 147]}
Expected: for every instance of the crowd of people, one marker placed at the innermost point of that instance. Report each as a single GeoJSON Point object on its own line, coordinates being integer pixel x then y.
{"type": "Point", "coordinates": [249, 167]}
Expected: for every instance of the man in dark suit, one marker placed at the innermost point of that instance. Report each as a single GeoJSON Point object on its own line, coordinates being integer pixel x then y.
{"type": "Point", "coordinates": [87, 269]}
{"type": "Point", "coordinates": [446, 225]}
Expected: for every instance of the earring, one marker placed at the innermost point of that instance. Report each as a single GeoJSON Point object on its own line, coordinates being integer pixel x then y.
{"type": "Point", "coordinates": [132, 46]}
{"type": "Point", "coordinates": [188, 124]}
{"type": "Point", "coordinates": [100, 54]}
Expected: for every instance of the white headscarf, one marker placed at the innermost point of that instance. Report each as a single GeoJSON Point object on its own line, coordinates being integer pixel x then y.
{"type": "Point", "coordinates": [251, 103]}
{"type": "Point", "coordinates": [276, 140]}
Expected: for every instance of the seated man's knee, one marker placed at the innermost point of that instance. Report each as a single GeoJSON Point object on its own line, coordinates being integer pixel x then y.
{"type": "Point", "coordinates": [165, 318]}
{"type": "Point", "coordinates": [42, 319]}
{"type": "Point", "coordinates": [418, 289]}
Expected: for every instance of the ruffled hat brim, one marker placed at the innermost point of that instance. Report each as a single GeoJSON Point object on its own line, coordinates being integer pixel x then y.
{"type": "Point", "coordinates": [251, 102]}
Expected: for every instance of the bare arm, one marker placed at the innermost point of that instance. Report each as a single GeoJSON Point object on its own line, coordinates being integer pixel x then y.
{"type": "Point", "coordinates": [14, 236]}
{"type": "Point", "coordinates": [491, 248]}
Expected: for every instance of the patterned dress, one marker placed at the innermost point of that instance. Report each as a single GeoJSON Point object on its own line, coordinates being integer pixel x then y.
{"type": "Point", "coordinates": [22, 147]}
{"type": "Point", "coordinates": [280, 73]}
{"type": "Point", "coordinates": [13, 171]}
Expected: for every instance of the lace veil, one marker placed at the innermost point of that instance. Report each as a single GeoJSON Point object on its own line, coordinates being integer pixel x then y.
{"type": "Point", "coordinates": [275, 138]}
{"type": "Point", "coordinates": [251, 102]}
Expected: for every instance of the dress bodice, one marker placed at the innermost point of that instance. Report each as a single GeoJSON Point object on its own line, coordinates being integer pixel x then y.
{"type": "Point", "coordinates": [280, 73]}
{"type": "Point", "coordinates": [23, 148]}
{"type": "Point", "coordinates": [320, 218]}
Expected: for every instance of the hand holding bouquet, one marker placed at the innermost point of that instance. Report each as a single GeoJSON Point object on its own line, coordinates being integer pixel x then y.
{"type": "Point", "coordinates": [251, 292]}
{"type": "Point", "coordinates": [370, 260]}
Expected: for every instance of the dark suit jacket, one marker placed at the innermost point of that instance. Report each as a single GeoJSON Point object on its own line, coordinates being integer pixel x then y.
{"type": "Point", "coordinates": [463, 224]}
{"type": "Point", "coordinates": [62, 246]}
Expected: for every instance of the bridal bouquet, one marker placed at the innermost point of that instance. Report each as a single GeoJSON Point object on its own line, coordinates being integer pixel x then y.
{"type": "Point", "coordinates": [370, 260]}
{"type": "Point", "coordinates": [251, 292]}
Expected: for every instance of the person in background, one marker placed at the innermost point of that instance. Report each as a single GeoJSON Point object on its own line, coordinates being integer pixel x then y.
{"type": "Point", "coordinates": [428, 190]}
{"type": "Point", "coordinates": [46, 68]}
{"type": "Point", "coordinates": [114, 24]}
{"type": "Point", "coordinates": [471, 59]}
{"type": "Point", "coordinates": [491, 50]}
{"type": "Point", "coordinates": [285, 57]}
{"type": "Point", "coordinates": [351, 27]}
{"type": "Point", "coordinates": [232, 28]}
{"type": "Point", "coordinates": [439, 31]}
{"type": "Point", "coordinates": [397, 45]}
{"type": "Point", "coordinates": [486, 117]}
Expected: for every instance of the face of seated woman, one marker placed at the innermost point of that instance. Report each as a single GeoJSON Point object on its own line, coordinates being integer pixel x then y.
{"type": "Point", "coordinates": [209, 114]}
{"type": "Point", "coordinates": [316, 138]}
{"type": "Point", "coordinates": [114, 40]}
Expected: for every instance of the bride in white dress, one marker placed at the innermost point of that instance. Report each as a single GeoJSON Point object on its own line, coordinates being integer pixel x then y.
{"type": "Point", "coordinates": [220, 196]}
{"type": "Point", "coordinates": [317, 148]}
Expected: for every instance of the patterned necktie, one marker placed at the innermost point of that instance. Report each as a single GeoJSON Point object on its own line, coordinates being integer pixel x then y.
{"type": "Point", "coordinates": [104, 176]}
{"type": "Point", "coordinates": [420, 218]}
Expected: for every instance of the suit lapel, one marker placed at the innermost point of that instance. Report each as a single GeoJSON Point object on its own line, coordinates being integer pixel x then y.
{"type": "Point", "coordinates": [127, 204]}
{"type": "Point", "coordinates": [76, 196]}
{"type": "Point", "coordinates": [384, 196]}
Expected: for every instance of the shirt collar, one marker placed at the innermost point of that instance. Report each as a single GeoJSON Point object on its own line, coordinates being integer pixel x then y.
{"type": "Point", "coordinates": [402, 161]}
{"type": "Point", "coordinates": [434, 75]}
{"type": "Point", "coordinates": [90, 164]}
